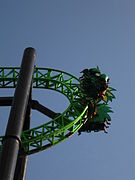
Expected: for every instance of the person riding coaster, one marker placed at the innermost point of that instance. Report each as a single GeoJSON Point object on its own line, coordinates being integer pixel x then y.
{"type": "Point", "coordinates": [94, 87]}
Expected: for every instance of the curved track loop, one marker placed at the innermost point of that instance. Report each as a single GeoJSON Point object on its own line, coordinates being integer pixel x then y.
{"type": "Point", "coordinates": [59, 128]}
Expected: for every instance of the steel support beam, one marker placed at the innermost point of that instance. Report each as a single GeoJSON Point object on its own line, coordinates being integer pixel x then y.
{"type": "Point", "coordinates": [15, 124]}
{"type": "Point", "coordinates": [7, 101]}
{"type": "Point", "coordinates": [39, 107]}
{"type": "Point", "coordinates": [21, 166]}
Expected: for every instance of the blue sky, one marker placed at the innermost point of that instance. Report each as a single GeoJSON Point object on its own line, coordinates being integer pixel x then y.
{"type": "Point", "coordinates": [70, 36]}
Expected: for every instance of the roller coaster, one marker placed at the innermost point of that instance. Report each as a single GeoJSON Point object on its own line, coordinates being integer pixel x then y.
{"type": "Point", "coordinates": [63, 125]}
{"type": "Point", "coordinates": [88, 108]}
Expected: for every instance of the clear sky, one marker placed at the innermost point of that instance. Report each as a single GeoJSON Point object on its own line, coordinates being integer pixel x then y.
{"type": "Point", "coordinates": [71, 35]}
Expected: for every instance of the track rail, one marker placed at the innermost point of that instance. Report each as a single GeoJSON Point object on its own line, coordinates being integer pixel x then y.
{"type": "Point", "coordinates": [59, 128]}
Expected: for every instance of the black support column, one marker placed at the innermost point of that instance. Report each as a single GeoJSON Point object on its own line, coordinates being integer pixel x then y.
{"type": "Point", "coordinates": [15, 125]}
{"type": "Point", "coordinates": [22, 160]}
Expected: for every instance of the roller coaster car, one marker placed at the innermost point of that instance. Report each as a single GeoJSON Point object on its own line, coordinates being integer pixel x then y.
{"type": "Point", "coordinates": [96, 119]}
{"type": "Point", "coordinates": [93, 126]}
{"type": "Point", "coordinates": [96, 94]}
{"type": "Point", "coordinates": [93, 83]}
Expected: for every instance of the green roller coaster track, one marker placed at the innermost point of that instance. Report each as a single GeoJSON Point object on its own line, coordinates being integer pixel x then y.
{"type": "Point", "coordinates": [62, 126]}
